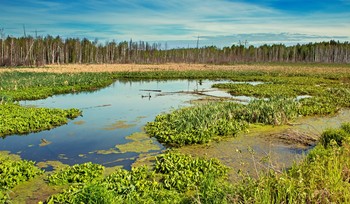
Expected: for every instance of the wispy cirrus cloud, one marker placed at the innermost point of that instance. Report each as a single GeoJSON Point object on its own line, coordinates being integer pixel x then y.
{"type": "Point", "coordinates": [180, 20]}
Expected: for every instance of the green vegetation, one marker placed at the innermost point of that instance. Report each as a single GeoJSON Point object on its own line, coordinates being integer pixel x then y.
{"type": "Point", "coordinates": [201, 123]}
{"type": "Point", "coordinates": [269, 89]}
{"type": "Point", "coordinates": [197, 124]}
{"type": "Point", "coordinates": [14, 172]}
{"type": "Point", "coordinates": [323, 177]}
{"type": "Point", "coordinates": [30, 86]}
{"type": "Point", "coordinates": [329, 92]}
{"type": "Point", "coordinates": [16, 86]}
{"type": "Point", "coordinates": [291, 76]}
{"type": "Point", "coordinates": [176, 178]}
{"type": "Point", "coordinates": [79, 173]}
{"type": "Point", "coordinates": [17, 119]}
{"type": "Point", "coordinates": [183, 173]}
{"type": "Point", "coordinates": [336, 135]}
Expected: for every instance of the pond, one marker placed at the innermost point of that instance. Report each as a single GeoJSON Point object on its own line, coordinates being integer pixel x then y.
{"type": "Point", "coordinates": [110, 115]}
{"type": "Point", "coordinates": [110, 132]}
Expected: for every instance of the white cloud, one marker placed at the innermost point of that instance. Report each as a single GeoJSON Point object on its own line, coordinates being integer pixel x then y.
{"type": "Point", "coordinates": [165, 20]}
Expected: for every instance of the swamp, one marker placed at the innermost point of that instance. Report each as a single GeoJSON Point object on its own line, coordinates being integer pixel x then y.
{"type": "Point", "coordinates": [261, 133]}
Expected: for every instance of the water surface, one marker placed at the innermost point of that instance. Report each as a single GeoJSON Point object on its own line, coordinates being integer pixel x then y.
{"type": "Point", "coordinates": [109, 116]}
{"type": "Point", "coordinates": [108, 133]}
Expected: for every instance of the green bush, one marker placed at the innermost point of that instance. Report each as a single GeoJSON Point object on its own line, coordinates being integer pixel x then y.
{"type": "Point", "coordinates": [346, 127]}
{"type": "Point", "coordinates": [336, 135]}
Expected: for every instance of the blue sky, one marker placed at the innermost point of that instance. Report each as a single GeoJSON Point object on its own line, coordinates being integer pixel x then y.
{"type": "Point", "coordinates": [180, 22]}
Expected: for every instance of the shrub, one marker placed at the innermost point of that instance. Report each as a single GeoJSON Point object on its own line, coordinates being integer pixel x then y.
{"type": "Point", "coordinates": [336, 135]}
{"type": "Point", "coordinates": [346, 127]}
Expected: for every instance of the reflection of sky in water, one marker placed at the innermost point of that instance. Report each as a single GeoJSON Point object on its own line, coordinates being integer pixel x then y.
{"type": "Point", "coordinates": [122, 101]}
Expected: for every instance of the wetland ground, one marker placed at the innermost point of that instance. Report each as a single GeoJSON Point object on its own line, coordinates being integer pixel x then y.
{"type": "Point", "coordinates": [263, 147]}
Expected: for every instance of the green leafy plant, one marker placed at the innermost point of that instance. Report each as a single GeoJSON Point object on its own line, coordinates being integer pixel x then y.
{"type": "Point", "coordinates": [335, 135]}
{"type": "Point", "coordinates": [17, 119]}
{"type": "Point", "coordinates": [78, 173]}
{"type": "Point", "coordinates": [13, 173]}
{"type": "Point", "coordinates": [182, 172]}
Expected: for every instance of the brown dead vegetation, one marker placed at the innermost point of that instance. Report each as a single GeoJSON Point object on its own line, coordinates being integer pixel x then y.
{"type": "Point", "coordinates": [288, 68]}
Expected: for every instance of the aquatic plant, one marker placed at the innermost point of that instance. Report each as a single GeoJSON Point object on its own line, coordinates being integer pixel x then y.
{"type": "Point", "coordinates": [267, 90]}
{"type": "Point", "coordinates": [13, 173]}
{"type": "Point", "coordinates": [144, 185]}
{"type": "Point", "coordinates": [78, 173]}
{"type": "Point", "coordinates": [273, 111]}
{"type": "Point", "coordinates": [17, 119]}
{"type": "Point", "coordinates": [323, 177]}
{"type": "Point", "coordinates": [183, 173]}
{"type": "Point", "coordinates": [198, 124]}
{"type": "Point", "coordinates": [30, 86]}
{"type": "Point", "coordinates": [202, 123]}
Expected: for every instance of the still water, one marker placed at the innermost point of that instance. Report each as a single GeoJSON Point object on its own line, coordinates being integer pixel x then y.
{"type": "Point", "coordinates": [109, 116]}
{"type": "Point", "coordinates": [110, 130]}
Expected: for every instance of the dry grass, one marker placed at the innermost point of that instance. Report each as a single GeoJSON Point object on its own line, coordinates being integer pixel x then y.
{"type": "Point", "coordinates": [290, 68]}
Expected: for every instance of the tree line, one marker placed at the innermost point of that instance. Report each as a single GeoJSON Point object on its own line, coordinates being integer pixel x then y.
{"type": "Point", "coordinates": [38, 51]}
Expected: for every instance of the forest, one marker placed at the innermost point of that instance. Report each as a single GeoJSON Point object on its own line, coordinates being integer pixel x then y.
{"type": "Point", "coordinates": [39, 51]}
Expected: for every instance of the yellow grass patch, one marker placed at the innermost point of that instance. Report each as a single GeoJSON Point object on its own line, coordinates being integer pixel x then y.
{"type": "Point", "coordinates": [289, 68]}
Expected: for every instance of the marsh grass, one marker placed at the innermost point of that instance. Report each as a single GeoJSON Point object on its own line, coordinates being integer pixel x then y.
{"type": "Point", "coordinates": [202, 123]}
{"type": "Point", "coordinates": [198, 124]}
{"type": "Point", "coordinates": [30, 86]}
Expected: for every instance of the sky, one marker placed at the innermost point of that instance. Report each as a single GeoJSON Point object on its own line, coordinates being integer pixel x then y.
{"type": "Point", "coordinates": [181, 23]}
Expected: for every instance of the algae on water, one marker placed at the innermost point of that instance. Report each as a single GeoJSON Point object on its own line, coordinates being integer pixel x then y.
{"type": "Point", "coordinates": [121, 124]}
{"type": "Point", "coordinates": [141, 143]}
